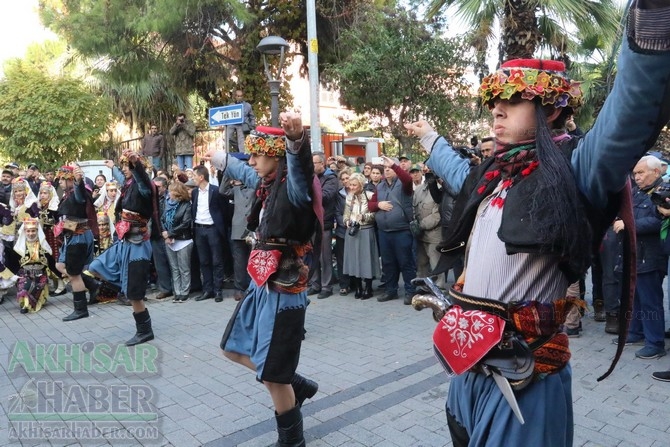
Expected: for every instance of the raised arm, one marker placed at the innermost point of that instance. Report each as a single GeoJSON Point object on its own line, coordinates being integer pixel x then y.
{"type": "Point", "coordinates": [234, 168]}
{"type": "Point", "coordinates": [444, 161]}
{"type": "Point", "coordinates": [635, 111]}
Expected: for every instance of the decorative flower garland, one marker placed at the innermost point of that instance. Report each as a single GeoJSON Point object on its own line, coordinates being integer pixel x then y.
{"type": "Point", "coordinates": [267, 141]}
{"type": "Point", "coordinates": [532, 78]}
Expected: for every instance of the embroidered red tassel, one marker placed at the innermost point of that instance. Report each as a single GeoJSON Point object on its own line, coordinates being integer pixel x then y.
{"type": "Point", "coordinates": [507, 183]}
{"type": "Point", "coordinates": [481, 189]}
{"type": "Point", "coordinates": [498, 202]}
{"type": "Point", "coordinates": [491, 175]}
{"type": "Point", "coordinates": [531, 167]}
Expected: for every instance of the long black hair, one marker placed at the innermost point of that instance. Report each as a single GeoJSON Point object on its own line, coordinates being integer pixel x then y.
{"type": "Point", "coordinates": [556, 205]}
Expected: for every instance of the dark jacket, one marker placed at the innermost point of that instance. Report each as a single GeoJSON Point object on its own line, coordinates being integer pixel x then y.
{"type": "Point", "coordinates": [329, 186]}
{"type": "Point", "coordinates": [181, 223]}
{"type": "Point", "coordinates": [649, 249]}
{"type": "Point", "coordinates": [340, 229]}
{"type": "Point", "coordinates": [399, 193]}
{"type": "Point", "coordinates": [217, 208]}
{"type": "Point", "coordinates": [517, 229]}
{"type": "Point", "coordinates": [6, 192]}
{"type": "Point", "coordinates": [157, 224]}
{"type": "Point", "coordinates": [153, 145]}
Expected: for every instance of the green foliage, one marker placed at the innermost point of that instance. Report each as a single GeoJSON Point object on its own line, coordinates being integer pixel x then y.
{"type": "Point", "coordinates": [596, 68]}
{"type": "Point", "coordinates": [400, 70]}
{"type": "Point", "coordinates": [529, 25]}
{"type": "Point", "coordinates": [49, 120]}
{"type": "Point", "coordinates": [150, 55]}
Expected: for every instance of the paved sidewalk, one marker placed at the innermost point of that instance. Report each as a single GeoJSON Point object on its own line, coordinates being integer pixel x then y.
{"type": "Point", "coordinates": [379, 382]}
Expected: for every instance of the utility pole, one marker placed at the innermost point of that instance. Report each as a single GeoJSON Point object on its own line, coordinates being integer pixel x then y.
{"type": "Point", "coordinates": [313, 65]}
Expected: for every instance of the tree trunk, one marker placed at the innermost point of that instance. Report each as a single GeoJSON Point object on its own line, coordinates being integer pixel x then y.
{"type": "Point", "coordinates": [521, 36]}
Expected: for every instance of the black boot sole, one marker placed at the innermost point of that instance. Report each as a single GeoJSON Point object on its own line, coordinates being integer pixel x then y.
{"type": "Point", "coordinates": [76, 316]}
{"type": "Point", "coordinates": [140, 338]}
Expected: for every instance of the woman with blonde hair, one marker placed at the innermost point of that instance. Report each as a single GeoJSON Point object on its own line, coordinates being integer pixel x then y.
{"type": "Point", "coordinates": [361, 256]}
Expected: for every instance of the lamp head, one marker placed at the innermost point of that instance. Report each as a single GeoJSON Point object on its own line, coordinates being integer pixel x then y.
{"type": "Point", "coordinates": [272, 45]}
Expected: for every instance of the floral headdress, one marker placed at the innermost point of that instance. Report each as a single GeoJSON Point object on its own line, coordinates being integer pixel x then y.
{"type": "Point", "coordinates": [266, 141]}
{"type": "Point", "coordinates": [66, 172]}
{"type": "Point", "coordinates": [532, 78]}
{"type": "Point", "coordinates": [46, 186]}
{"type": "Point", "coordinates": [123, 160]}
{"type": "Point", "coordinates": [102, 217]}
{"type": "Point", "coordinates": [20, 183]}
{"type": "Point", "coordinates": [22, 239]}
{"type": "Point", "coordinates": [30, 222]}
{"type": "Point", "coordinates": [52, 201]}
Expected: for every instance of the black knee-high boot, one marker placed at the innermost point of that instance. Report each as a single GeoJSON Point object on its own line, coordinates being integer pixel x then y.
{"type": "Point", "coordinates": [92, 285]}
{"type": "Point", "coordinates": [303, 388]}
{"type": "Point", "coordinates": [80, 308]}
{"type": "Point", "coordinates": [144, 332]}
{"type": "Point", "coordinates": [289, 428]}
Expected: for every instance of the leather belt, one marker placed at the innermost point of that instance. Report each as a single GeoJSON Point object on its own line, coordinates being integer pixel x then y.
{"type": "Point", "coordinates": [468, 302]}
{"type": "Point", "coordinates": [203, 225]}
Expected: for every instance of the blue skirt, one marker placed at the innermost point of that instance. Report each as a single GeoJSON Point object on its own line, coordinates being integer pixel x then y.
{"type": "Point", "coordinates": [125, 265]}
{"type": "Point", "coordinates": [546, 405]}
{"type": "Point", "coordinates": [268, 327]}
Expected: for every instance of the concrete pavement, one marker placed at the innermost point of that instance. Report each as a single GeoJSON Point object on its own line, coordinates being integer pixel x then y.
{"type": "Point", "coordinates": [379, 382]}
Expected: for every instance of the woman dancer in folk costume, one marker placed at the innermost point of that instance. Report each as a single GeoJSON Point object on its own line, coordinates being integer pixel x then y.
{"type": "Point", "coordinates": [266, 330]}
{"type": "Point", "coordinates": [526, 219]}
{"type": "Point", "coordinates": [47, 202]}
{"type": "Point", "coordinates": [32, 248]}
{"type": "Point", "coordinates": [22, 204]}
{"type": "Point", "coordinates": [106, 292]}
{"type": "Point", "coordinates": [106, 202]}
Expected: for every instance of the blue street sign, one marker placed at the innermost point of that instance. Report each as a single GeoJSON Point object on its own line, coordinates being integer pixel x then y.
{"type": "Point", "coordinates": [226, 115]}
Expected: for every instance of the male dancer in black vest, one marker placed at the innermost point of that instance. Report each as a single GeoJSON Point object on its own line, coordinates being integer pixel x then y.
{"type": "Point", "coordinates": [126, 263]}
{"type": "Point", "coordinates": [265, 332]}
{"type": "Point", "coordinates": [73, 225]}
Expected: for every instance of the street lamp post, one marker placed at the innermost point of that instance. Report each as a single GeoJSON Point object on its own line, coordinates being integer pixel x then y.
{"type": "Point", "coordinates": [271, 46]}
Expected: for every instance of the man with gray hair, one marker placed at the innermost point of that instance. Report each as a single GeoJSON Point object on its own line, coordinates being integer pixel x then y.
{"type": "Point", "coordinates": [322, 272]}
{"type": "Point", "coordinates": [647, 324]}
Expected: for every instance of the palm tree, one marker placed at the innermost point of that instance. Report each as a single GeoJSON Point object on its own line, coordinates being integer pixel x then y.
{"type": "Point", "coordinates": [595, 67]}
{"type": "Point", "coordinates": [529, 25]}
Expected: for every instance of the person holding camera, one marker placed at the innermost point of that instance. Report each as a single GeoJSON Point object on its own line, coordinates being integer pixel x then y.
{"type": "Point", "coordinates": [361, 256]}
{"type": "Point", "coordinates": [183, 131]}
{"type": "Point", "coordinates": [647, 323]}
